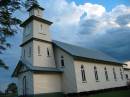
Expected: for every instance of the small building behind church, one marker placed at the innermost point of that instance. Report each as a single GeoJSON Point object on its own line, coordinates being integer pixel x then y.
{"type": "Point", "coordinates": [50, 66]}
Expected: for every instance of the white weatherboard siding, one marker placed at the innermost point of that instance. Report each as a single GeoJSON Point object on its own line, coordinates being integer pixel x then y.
{"type": "Point", "coordinates": [28, 55]}
{"type": "Point", "coordinates": [47, 83]}
{"type": "Point", "coordinates": [126, 71]}
{"type": "Point", "coordinates": [43, 60]}
{"type": "Point", "coordinates": [28, 31]}
{"type": "Point", "coordinates": [68, 76]}
{"type": "Point", "coordinates": [90, 77]}
{"type": "Point", "coordinates": [29, 83]}
{"type": "Point", "coordinates": [41, 30]}
{"type": "Point", "coordinates": [36, 12]}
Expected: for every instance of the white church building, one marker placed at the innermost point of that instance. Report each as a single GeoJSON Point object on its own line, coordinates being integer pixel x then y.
{"type": "Point", "coordinates": [47, 66]}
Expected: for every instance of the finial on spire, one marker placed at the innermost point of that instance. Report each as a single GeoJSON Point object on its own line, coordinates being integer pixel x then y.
{"type": "Point", "coordinates": [30, 3]}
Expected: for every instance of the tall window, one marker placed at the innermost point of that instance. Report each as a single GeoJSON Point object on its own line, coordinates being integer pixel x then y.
{"type": "Point", "coordinates": [114, 73]}
{"type": "Point", "coordinates": [96, 73]}
{"type": "Point", "coordinates": [121, 73]}
{"type": "Point", "coordinates": [29, 52]}
{"type": "Point", "coordinates": [24, 85]}
{"type": "Point", "coordinates": [83, 73]}
{"type": "Point", "coordinates": [24, 53]}
{"type": "Point", "coordinates": [48, 53]}
{"type": "Point", "coordinates": [126, 75]}
{"type": "Point", "coordinates": [106, 73]}
{"type": "Point", "coordinates": [62, 61]}
{"type": "Point", "coordinates": [39, 51]}
{"type": "Point", "coordinates": [41, 27]}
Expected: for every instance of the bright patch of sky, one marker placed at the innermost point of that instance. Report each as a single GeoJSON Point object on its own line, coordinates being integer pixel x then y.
{"type": "Point", "coordinates": [108, 4]}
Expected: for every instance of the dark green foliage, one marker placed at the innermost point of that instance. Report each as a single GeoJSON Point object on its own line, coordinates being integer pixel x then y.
{"type": "Point", "coordinates": [12, 88]}
{"type": "Point", "coordinates": [8, 22]}
{"type": "Point", "coordinates": [2, 64]}
{"type": "Point", "coordinates": [29, 3]}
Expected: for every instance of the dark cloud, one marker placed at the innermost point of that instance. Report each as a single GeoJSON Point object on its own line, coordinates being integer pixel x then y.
{"type": "Point", "coordinates": [115, 41]}
{"type": "Point", "coordinates": [88, 26]}
{"type": "Point", "coordinates": [123, 19]}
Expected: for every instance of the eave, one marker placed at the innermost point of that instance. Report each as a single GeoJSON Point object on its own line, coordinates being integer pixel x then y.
{"type": "Point", "coordinates": [35, 18]}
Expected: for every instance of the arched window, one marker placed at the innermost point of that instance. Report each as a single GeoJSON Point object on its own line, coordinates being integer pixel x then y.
{"type": "Point", "coordinates": [96, 73]}
{"type": "Point", "coordinates": [39, 50]}
{"type": "Point", "coordinates": [83, 73]}
{"type": "Point", "coordinates": [127, 77]}
{"type": "Point", "coordinates": [24, 86]}
{"type": "Point", "coordinates": [121, 73]}
{"type": "Point", "coordinates": [48, 53]}
{"type": "Point", "coordinates": [114, 73]}
{"type": "Point", "coordinates": [29, 52]}
{"type": "Point", "coordinates": [24, 53]}
{"type": "Point", "coordinates": [62, 61]}
{"type": "Point", "coordinates": [106, 73]}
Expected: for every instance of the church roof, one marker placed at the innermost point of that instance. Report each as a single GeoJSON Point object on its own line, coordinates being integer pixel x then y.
{"type": "Point", "coordinates": [35, 18]}
{"type": "Point", "coordinates": [35, 69]}
{"type": "Point", "coordinates": [35, 6]}
{"type": "Point", "coordinates": [80, 53]}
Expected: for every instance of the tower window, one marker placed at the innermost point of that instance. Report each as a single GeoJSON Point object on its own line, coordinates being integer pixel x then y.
{"type": "Point", "coordinates": [29, 52]}
{"type": "Point", "coordinates": [39, 51]}
{"type": "Point", "coordinates": [106, 73]}
{"type": "Point", "coordinates": [96, 73]}
{"type": "Point", "coordinates": [24, 53]}
{"type": "Point", "coordinates": [126, 75]}
{"type": "Point", "coordinates": [83, 73]}
{"type": "Point", "coordinates": [121, 73]}
{"type": "Point", "coordinates": [41, 27]}
{"type": "Point", "coordinates": [114, 73]}
{"type": "Point", "coordinates": [62, 61]}
{"type": "Point", "coordinates": [48, 53]}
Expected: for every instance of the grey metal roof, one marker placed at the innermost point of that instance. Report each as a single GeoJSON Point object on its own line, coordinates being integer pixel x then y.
{"type": "Point", "coordinates": [35, 68]}
{"type": "Point", "coordinates": [85, 52]}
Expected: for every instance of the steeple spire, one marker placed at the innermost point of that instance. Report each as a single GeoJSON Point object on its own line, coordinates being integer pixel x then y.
{"type": "Point", "coordinates": [35, 9]}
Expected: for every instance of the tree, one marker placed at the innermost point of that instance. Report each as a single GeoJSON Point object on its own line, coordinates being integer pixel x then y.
{"type": "Point", "coordinates": [29, 3]}
{"type": "Point", "coordinates": [10, 23]}
{"type": "Point", "coordinates": [12, 88]}
{"type": "Point", "coordinates": [3, 65]}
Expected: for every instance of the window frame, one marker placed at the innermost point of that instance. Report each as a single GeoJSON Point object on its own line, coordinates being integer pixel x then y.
{"type": "Point", "coordinates": [106, 74]}
{"type": "Point", "coordinates": [83, 74]}
{"type": "Point", "coordinates": [96, 74]}
{"type": "Point", "coordinates": [62, 61]}
{"type": "Point", "coordinates": [114, 74]}
{"type": "Point", "coordinates": [39, 50]}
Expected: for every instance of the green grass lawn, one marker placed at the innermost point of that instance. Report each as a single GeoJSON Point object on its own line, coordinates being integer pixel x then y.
{"type": "Point", "coordinates": [120, 93]}
{"type": "Point", "coordinates": [9, 95]}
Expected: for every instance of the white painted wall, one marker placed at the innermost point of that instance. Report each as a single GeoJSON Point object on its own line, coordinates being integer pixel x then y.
{"type": "Point", "coordinates": [126, 71]}
{"type": "Point", "coordinates": [68, 76]}
{"type": "Point", "coordinates": [47, 83]}
{"type": "Point", "coordinates": [91, 82]}
{"type": "Point", "coordinates": [41, 30]}
{"type": "Point", "coordinates": [43, 60]}
{"type": "Point", "coordinates": [28, 31]}
{"type": "Point", "coordinates": [26, 50]}
{"type": "Point", "coordinates": [29, 83]}
{"type": "Point", "coordinates": [36, 12]}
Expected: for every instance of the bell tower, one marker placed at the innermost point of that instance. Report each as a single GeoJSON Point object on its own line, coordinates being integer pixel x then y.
{"type": "Point", "coordinates": [37, 47]}
{"type": "Point", "coordinates": [36, 10]}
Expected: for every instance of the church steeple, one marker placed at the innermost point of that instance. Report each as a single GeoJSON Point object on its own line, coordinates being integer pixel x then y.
{"type": "Point", "coordinates": [35, 10]}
